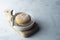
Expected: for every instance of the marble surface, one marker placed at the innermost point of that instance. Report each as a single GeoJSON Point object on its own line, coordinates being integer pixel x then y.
{"type": "Point", "coordinates": [46, 13]}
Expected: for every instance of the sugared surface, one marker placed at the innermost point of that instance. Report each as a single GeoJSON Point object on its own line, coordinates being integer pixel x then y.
{"type": "Point", "coordinates": [22, 19]}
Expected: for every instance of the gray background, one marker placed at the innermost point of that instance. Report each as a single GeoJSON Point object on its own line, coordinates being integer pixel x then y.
{"type": "Point", "coordinates": [46, 13]}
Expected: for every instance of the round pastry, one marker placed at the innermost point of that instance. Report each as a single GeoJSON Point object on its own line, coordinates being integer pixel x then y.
{"type": "Point", "coordinates": [22, 19]}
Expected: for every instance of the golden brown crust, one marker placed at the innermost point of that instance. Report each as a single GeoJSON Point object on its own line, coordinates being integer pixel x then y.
{"type": "Point", "coordinates": [22, 19]}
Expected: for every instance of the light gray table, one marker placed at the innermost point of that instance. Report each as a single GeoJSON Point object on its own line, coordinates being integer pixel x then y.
{"type": "Point", "coordinates": [46, 13]}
